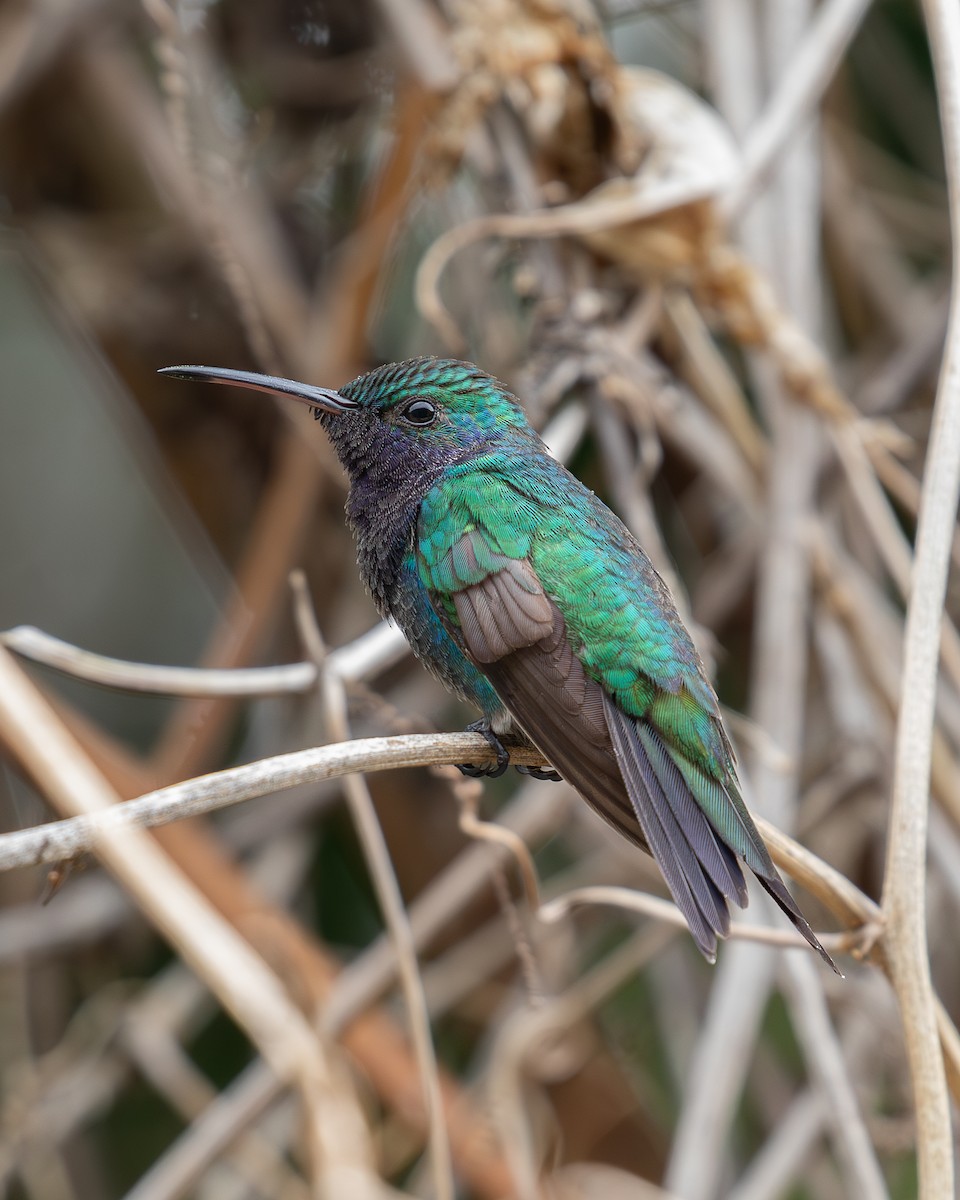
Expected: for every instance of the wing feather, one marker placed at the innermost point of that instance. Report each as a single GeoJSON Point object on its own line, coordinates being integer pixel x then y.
{"type": "Point", "coordinates": [619, 763]}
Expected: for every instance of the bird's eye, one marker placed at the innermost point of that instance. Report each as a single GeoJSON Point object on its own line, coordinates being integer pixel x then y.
{"type": "Point", "coordinates": [420, 412]}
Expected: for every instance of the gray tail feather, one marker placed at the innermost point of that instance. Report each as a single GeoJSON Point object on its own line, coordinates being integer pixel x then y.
{"type": "Point", "coordinates": [701, 873]}
{"type": "Point", "coordinates": [777, 890]}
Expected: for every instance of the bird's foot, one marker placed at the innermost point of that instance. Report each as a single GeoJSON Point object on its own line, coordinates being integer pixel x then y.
{"type": "Point", "coordinates": [503, 758]}
{"type": "Point", "coordinates": [546, 773]}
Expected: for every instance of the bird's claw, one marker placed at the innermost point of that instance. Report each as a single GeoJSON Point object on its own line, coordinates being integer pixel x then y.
{"type": "Point", "coordinates": [472, 771]}
{"type": "Point", "coordinates": [547, 773]}
{"type": "Point", "coordinates": [486, 772]}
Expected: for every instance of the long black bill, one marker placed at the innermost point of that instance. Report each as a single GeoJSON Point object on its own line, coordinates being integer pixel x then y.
{"type": "Point", "coordinates": [317, 398]}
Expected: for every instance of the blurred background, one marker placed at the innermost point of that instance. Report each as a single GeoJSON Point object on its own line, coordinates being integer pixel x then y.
{"type": "Point", "coordinates": [707, 244]}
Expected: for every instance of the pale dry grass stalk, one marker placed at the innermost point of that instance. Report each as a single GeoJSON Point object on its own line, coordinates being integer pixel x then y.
{"type": "Point", "coordinates": [777, 1164]}
{"type": "Point", "coordinates": [532, 1036]}
{"type": "Point", "coordinates": [334, 701]}
{"type": "Point", "coordinates": [904, 894]}
{"type": "Point", "coordinates": [376, 651]}
{"type": "Point", "coordinates": [534, 815]}
{"type": "Point", "coordinates": [846, 1127]}
{"type": "Point", "coordinates": [245, 985]}
{"type": "Point", "coordinates": [810, 69]}
{"type": "Point", "coordinates": [663, 910]}
{"type": "Point", "coordinates": [209, 1136]}
{"type": "Point", "coordinates": [63, 839]}
{"type": "Point", "coordinates": [780, 655]}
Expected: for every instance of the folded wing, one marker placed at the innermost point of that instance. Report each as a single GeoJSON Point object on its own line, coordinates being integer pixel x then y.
{"type": "Point", "coordinates": [619, 763]}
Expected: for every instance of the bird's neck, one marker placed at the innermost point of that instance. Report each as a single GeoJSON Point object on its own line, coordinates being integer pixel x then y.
{"type": "Point", "coordinates": [382, 510]}
{"type": "Point", "coordinates": [389, 477]}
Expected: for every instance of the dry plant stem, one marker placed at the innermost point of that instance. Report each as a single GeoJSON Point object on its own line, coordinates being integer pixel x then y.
{"type": "Point", "coordinates": [372, 1040]}
{"type": "Point", "coordinates": [209, 1136]}
{"type": "Point", "coordinates": [388, 894]}
{"type": "Point", "coordinates": [843, 898]}
{"type": "Point", "coordinates": [469, 965]}
{"type": "Point", "coordinates": [889, 384]}
{"type": "Point", "coordinates": [31, 731]}
{"type": "Point", "coordinates": [888, 535]}
{"type": "Point", "coordinates": [800, 87]}
{"type": "Point", "coordinates": [529, 1036]}
{"type": "Point", "coordinates": [903, 485]}
{"type": "Point", "coordinates": [869, 625]}
{"type": "Point", "coordinates": [629, 480]}
{"type": "Point", "coordinates": [491, 831]}
{"type": "Point", "coordinates": [697, 436]}
{"type": "Point", "coordinates": [778, 684]}
{"type": "Point", "coordinates": [60, 840]}
{"type": "Point", "coordinates": [824, 1054]}
{"type": "Point", "coordinates": [523, 946]}
{"type": "Point", "coordinates": [421, 36]}
{"type": "Point", "coordinates": [63, 839]}
{"type": "Point", "coordinates": [728, 38]}
{"type": "Point", "coordinates": [468, 793]}
{"type": "Point", "coordinates": [663, 910]}
{"type": "Point", "coordinates": [252, 1159]}
{"type": "Point", "coordinates": [712, 377]}
{"type": "Point", "coordinates": [68, 1086]}
{"type": "Point", "coordinates": [904, 893]}
{"type": "Point", "coordinates": [563, 221]}
{"type": "Point", "coordinates": [534, 814]}
{"type": "Point", "coordinates": [378, 650]}
{"type": "Point", "coordinates": [715, 1079]}
{"type": "Point", "coordinates": [58, 1108]}
{"type": "Point", "coordinates": [49, 651]}
{"type": "Point", "coordinates": [775, 1167]}
{"type": "Point", "coordinates": [912, 311]}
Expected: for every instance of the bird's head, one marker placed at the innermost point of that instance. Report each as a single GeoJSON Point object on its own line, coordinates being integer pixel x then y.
{"type": "Point", "coordinates": [407, 417]}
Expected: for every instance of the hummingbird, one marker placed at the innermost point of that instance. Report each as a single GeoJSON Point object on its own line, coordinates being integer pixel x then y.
{"type": "Point", "coordinates": [521, 590]}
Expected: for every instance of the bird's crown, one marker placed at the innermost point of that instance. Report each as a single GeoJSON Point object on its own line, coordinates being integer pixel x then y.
{"type": "Point", "coordinates": [459, 392]}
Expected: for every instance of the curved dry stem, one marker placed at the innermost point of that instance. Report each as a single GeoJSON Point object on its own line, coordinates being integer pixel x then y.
{"type": "Point", "coordinates": [241, 979]}
{"type": "Point", "coordinates": [803, 83]}
{"type": "Point", "coordinates": [532, 1037]}
{"type": "Point", "coordinates": [388, 893]}
{"type": "Point", "coordinates": [904, 894]}
{"type": "Point", "coordinates": [585, 216]}
{"type": "Point", "coordinates": [844, 899]}
{"type": "Point", "coordinates": [664, 910]}
{"type": "Point", "coordinates": [377, 650]}
{"type": "Point", "coordinates": [490, 831]}
{"type": "Point", "coordinates": [847, 1128]}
